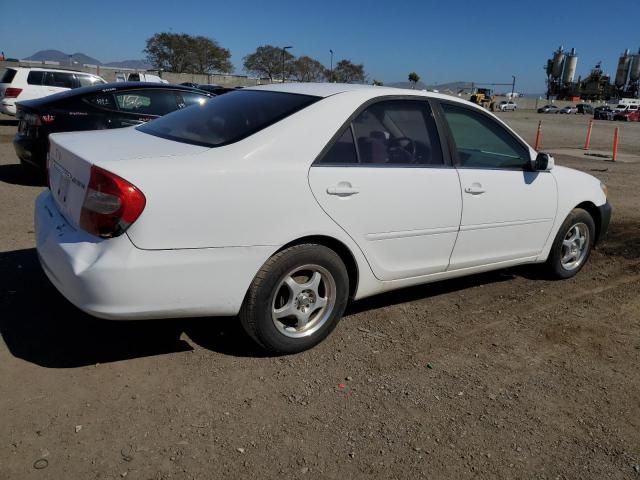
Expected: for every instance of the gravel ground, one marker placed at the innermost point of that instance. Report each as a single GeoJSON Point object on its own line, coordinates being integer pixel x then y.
{"type": "Point", "coordinates": [501, 375]}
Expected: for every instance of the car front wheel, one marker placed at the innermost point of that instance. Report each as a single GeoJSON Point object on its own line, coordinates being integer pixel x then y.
{"type": "Point", "coordinates": [572, 245]}
{"type": "Point", "coordinates": [296, 299]}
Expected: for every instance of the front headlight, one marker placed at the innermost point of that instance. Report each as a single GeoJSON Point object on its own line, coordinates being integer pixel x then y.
{"type": "Point", "coordinates": [604, 188]}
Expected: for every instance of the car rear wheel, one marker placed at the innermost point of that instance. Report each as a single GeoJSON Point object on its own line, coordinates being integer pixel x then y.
{"type": "Point", "coordinates": [296, 299]}
{"type": "Point", "coordinates": [572, 245]}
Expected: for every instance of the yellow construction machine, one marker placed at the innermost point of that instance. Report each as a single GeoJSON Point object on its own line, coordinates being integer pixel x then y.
{"type": "Point", "coordinates": [484, 98]}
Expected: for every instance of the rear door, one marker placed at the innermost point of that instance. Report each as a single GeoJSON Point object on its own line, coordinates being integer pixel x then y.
{"type": "Point", "coordinates": [507, 210]}
{"type": "Point", "coordinates": [384, 180]}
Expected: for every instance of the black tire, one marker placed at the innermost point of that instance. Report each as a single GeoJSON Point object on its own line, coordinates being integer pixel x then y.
{"type": "Point", "coordinates": [268, 289]}
{"type": "Point", "coordinates": [575, 220]}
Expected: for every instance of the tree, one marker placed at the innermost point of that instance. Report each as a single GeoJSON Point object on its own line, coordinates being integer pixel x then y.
{"type": "Point", "coordinates": [307, 69]}
{"type": "Point", "coordinates": [209, 56]}
{"type": "Point", "coordinates": [180, 52]}
{"type": "Point", "coordinates": [347, 72]}
{"type": "Point", "coordinates": [266, 61]}
{"type": "Point", "coordinates": [414, 78]}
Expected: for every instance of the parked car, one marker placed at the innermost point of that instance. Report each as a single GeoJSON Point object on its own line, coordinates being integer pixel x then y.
{"type": "Point", "coordinates": [569, 109]}
{"type": "Point", "coordinates": [139, 77]}
{"type": "Point", "coordinates": [215, 89]}
{"type": "Point", "coordinates": [604, 112]}
{"type": "Point", "coordinates": [507, 106]}
{"type": "Point", "coordinates": [279, 203]}
{"type": "Point", "coordinates": [627, 116]}
{"type": "Point", "coordinates": [548, 109]}
{"type": "Point", "coordinates": [112, 105]}
{"type": "Point", "coordinates": [26, 83]}
{"type": "Point", "coordinates": [585, 108]}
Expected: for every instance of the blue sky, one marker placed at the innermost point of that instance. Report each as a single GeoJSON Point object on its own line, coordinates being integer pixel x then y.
{"type": "Point", "coordinates": [481, 41]}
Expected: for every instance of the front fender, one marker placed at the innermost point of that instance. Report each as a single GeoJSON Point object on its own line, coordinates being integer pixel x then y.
{"type": "Point", "coordinates": [574, 187]}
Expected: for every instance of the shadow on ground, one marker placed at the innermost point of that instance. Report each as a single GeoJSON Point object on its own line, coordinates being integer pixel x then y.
{"type": "Point", "coordinates": [40, 326]}
{"type": "Point", "coordinates": [16, 174]}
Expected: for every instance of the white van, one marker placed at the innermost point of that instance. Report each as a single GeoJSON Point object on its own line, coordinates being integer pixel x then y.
{"type": "Point", "coordinates": [26, 83]}
{"type": "Point", "coordinates": [627, 105]}
{"type": "Point", "coordinates": [138, 77]}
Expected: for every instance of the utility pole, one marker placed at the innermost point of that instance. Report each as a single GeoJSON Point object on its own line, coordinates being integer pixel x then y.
{"type": "Point", "coordinates": [513, 86]}
{"type": "Point", "coordinates": [331, 74]}
{"type": "Point", "coordinates": [284, 49]}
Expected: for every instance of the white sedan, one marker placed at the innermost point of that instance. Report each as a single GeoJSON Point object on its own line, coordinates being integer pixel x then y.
{"type": "Point", "coordinates": [282, 202]}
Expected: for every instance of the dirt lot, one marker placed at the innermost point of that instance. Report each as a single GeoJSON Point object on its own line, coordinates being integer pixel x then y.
{"type": "Point", "coordinates": [502, 375]}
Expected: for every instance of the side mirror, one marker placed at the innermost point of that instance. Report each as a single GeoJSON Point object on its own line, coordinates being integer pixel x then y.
{"type": "Point", "coordinates": [542, 163]}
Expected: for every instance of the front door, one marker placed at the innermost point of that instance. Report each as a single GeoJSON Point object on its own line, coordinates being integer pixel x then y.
{"type": "Point", "coordinates": [507, 209]}
{"type": "Point", "coordinates": [384, 181]}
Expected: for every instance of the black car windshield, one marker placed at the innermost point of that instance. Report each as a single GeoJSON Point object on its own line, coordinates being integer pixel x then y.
{"type": "Point", "coordinates": [227, 118]}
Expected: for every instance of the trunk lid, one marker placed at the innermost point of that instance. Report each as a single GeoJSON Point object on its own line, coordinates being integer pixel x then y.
{"type": "Point", "coordinates": [71, 156]}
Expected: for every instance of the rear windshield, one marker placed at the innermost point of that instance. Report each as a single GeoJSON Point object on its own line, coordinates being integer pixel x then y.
{"type": "Point", "coordinates": [227, 118]}
{"type": "Point", "coordinates": [7, 76]}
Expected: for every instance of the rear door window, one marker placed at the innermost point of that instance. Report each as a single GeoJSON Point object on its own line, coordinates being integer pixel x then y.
{"type": "Point", "coordinates": [343, 151]}
{"type": "Point", "coordinates": [7, 76]}
{"type": "Point", "coordinates": [59, 79]}
{"type": "Point", "coordinates": [398, 132]}
{"type": "Point", "coordinates": [35, 78]}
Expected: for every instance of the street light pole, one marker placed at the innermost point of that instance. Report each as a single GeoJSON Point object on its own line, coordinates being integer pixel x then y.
{"type": "Point", "coordinates": [331, 70]}
{"type": "Point", "coordinates": [284, 49]}
{"type": "Point", "coordinates": [513, 86]}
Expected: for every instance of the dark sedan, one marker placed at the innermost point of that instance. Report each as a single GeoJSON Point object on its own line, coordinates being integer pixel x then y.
{"type": "Point", "coordinates": [114, 105]}
{"type": "Point", "coordinates": [585, 108]}
{"type": "Point", "coordinates": [213, 88]}
{"type": "Point", "coordinates": [603, 113]}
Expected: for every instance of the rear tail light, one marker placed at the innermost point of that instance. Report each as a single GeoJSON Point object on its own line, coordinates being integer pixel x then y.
{"type": "Point", "coordinates": [32, 119]}
{"type": "Point", "coordinates": [12, 92]}
{"type": "Point", "coordinates": [111, 204]}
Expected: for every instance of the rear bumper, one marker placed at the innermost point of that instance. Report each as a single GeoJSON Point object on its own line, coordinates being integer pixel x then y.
{"type": "Point", "coordinates": [31, 150]}
{"type": "Point", "coordinates": [115, 280]}
{"type": "Point", "coordinates": [605, 219]}
{"type": "Point", "coordinates": [8, 107]}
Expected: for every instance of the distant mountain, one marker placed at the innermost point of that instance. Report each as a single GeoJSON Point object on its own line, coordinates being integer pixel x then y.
{"type": "Point", "coordinates": [81, 59]}
{"type": "Point", "coordinates": [137, 64]}
{"type": "Point", "coordinates": [63, 58]}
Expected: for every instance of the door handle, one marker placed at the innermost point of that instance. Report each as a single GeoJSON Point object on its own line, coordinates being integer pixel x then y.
{"type": "Point", "coordinates": [343, 189]}
{"type": "Point", "coordinates": [475, 189]}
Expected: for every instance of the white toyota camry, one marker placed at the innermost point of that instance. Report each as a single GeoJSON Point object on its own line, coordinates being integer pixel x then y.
{"type": "Point", "coordinates": [280, 203]}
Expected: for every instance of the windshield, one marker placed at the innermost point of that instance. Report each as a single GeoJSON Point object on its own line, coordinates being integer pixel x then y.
{"type": "Point", "coordinates": [227, 118]}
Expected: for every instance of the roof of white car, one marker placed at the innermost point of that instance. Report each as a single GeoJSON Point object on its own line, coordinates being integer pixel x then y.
{"type": "Point", "coordinates": [328, 89]}
{"type": "Point", "coordinates": [45, 68]}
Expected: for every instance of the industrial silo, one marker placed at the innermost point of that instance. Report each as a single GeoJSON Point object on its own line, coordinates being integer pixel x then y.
{"type": "Point", "coordinates": [634, 70]}
{"type": "Point", "coordinates": [557, 63]}
{"type": "Point", "coordinates": [570, 64]}
{"type": "Point", "coordinates": [623, 69]}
